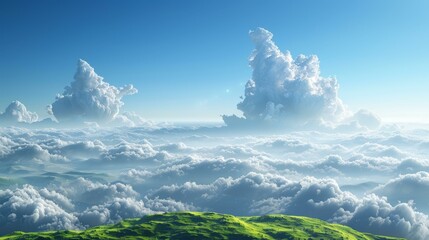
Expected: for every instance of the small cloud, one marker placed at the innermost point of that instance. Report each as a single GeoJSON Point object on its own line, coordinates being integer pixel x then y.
{"type": "Point", "coordinates": [16, 112]}
{"type": "Point", "coordinates": [89, 98]}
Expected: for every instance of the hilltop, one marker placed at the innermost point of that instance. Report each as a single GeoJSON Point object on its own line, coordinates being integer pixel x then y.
{"type": "Point", "coordinates": [197, 225]}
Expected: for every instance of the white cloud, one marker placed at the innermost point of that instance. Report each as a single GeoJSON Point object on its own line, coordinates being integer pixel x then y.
{"type": "Point", "coordinates": [26, 209]}
{"type": "Point", "coordinates": [367, 119]}
{"type": "Point", "coordinates": [286, 90]}
{"type": "Point", "coordinates": [76, 205]}
{"type": "Point", "coordinates": [407, 188]}
{"type": "Point", "coordinates": [16, 112]}
{"type": "Point", "coordinates": [113, 211]}
{"type": "Point", "coordinates": [374, 214]}
{"type": "Point", "coordinates": [93, 193]}
{"type": "Point", "coordinates": [89, 98]}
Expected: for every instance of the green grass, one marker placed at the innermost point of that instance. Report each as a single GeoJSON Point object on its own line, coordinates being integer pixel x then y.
{"type": "Point", "coordinates": [196, 225]}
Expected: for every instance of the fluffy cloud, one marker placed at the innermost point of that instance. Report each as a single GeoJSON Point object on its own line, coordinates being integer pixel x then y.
{"type": "Point", "coordinates": [286, 90]}
{"type": "Point", "coordinates": [76, 205]}
{"type": "Point", "coordinates": [27, 209]}
{"type": "Point", "coordinates": [89, 98]}
{"type": "Point", "coordinates": [361, 120]}
{"type": "Point", "coordinates": [113, 211]}
{"type": "Point", "coordinates": [374, 214]}
{"type": "Point", "coordinates": [412, 188]}
{"type": "Point", "coordinates": [29, 155]}
{"type": "Point", "coordinates": [93, 193]}
{"type": "Point", "coordinates": [16, 112]}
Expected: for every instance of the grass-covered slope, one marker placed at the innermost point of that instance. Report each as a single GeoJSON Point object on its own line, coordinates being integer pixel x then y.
{"type": "Point", "coordinates": [195, 225]}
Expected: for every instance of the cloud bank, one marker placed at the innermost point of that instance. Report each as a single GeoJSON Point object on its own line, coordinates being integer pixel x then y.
{"type": "Point", "coordinates": [89, 98]}
{"type": "Point", "coordinates": [77, 178]}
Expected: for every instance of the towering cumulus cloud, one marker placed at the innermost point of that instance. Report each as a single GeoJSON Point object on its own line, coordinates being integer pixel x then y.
{"type": "Point", "coordinates": [16, 112]}
{"type": "Point", "coordinates": [284, 90]}
{"type": "Point", "coordinates": [89, 98]}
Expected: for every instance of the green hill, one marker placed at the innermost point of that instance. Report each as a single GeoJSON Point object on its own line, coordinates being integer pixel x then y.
{"type": "Point", "coordinates": [196, 225]}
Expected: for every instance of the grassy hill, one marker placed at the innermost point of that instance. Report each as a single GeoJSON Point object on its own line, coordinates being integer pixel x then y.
{"type": "Point", "coordinates": [196, 225]}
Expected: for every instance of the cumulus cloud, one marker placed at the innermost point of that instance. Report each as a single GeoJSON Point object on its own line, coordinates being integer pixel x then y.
{"type": "Point", "coordinates": [92, 193]}
{"type": "Point", "coordinates": [286, 90]}
{"type": "Point", "coordinates": [27, 209]}
{"type": "Point", "coordinates": [29, 154]}
{"type": "Point", "coordinates": [374, 214]}
{"type": "Point", "coordinates": [362, 119]}
{"type": "Point", "coordinates": [412, 188]}
{"type": "Point", "coordinates": [16, 112]}
{"type": "Point", "coordinates": [113, 211]}
{"type": "Point", "coordinates": [76, 205]}
{"type": "Point", "coordinates": [89, 98]}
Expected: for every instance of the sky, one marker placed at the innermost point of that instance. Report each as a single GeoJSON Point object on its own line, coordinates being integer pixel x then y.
{"type": "Point", "coordinates": [189, 59]}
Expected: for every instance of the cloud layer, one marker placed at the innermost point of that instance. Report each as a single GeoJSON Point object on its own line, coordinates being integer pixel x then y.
{"type": "Point", "coordinates": [73, 179]}
{"type": "Point", "coordinates": [89, 98]}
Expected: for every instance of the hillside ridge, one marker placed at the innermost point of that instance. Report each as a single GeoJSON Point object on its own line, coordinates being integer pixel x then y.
{"type": "Point", "coordinates": [209, 225]}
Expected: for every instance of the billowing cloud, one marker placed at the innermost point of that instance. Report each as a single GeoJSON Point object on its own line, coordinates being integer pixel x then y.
{"type": "Point", "coordinates": [286, 90]}
{"type": "Point", "coordinates": [27, 209]}
{"type": "Point", "coordinates": [89, 98]}
{"type": "Point", "coordinates": [361, 119]}
{"type": "Point", "coordinates": [16, 112]}
{"type": "Point", "coordinates": [76, 205]}
{"type": "Point", "coordinates": [412, 188]}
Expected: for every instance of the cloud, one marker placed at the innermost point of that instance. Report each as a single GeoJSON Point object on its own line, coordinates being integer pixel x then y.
{"type": "Point", "coordinates": [81, 150]}
{"type": "Point", "coordinates": [361, 120]}
{"type": "Point", "coordinates": [367, 119]}
{"type": "Point", "coordinates": [89, 98]}
{"type": "Point", "coordinates": [378, 150]}
{"type": "Point", "coordinates": [412, 166]}
{"type": "Point", "coordinates": [16, 112]}
{"type": "Point", "coordinates": [286, 90]}
{"type": "Point", "coordinates": [26, 209]}
{"type": "Point", "coordinates": [76, 205]}
{"type": "Point", "coordinates": [131, 119]}
{"type": "Point", "coordinates": [205, 170]}
{"type": "Point", "coordinates": [374, 214]}
{"type": "Point", "coordinates": [113, 211]}
{"type": "Point", "coordinates": [227, 195]}
{"type": "Point", "coordinates": [92, 193]}
{"type": "Point", "coordinates": [30, 154]}
{"type": "Point", "coordinates": [412, 188]}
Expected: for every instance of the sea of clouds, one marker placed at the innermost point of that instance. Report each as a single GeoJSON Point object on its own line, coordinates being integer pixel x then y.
{"type": "Point", "coordinates": [296, 149]}
{"type": "Point", "coordinates": [374, 181]}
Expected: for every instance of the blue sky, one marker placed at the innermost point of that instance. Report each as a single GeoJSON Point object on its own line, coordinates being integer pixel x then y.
{"type": "Point", "coordinates": [189, 59]}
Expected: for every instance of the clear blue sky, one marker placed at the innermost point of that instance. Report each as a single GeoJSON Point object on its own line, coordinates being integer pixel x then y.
{"type": "Point", "coordinates": [189, 59]}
